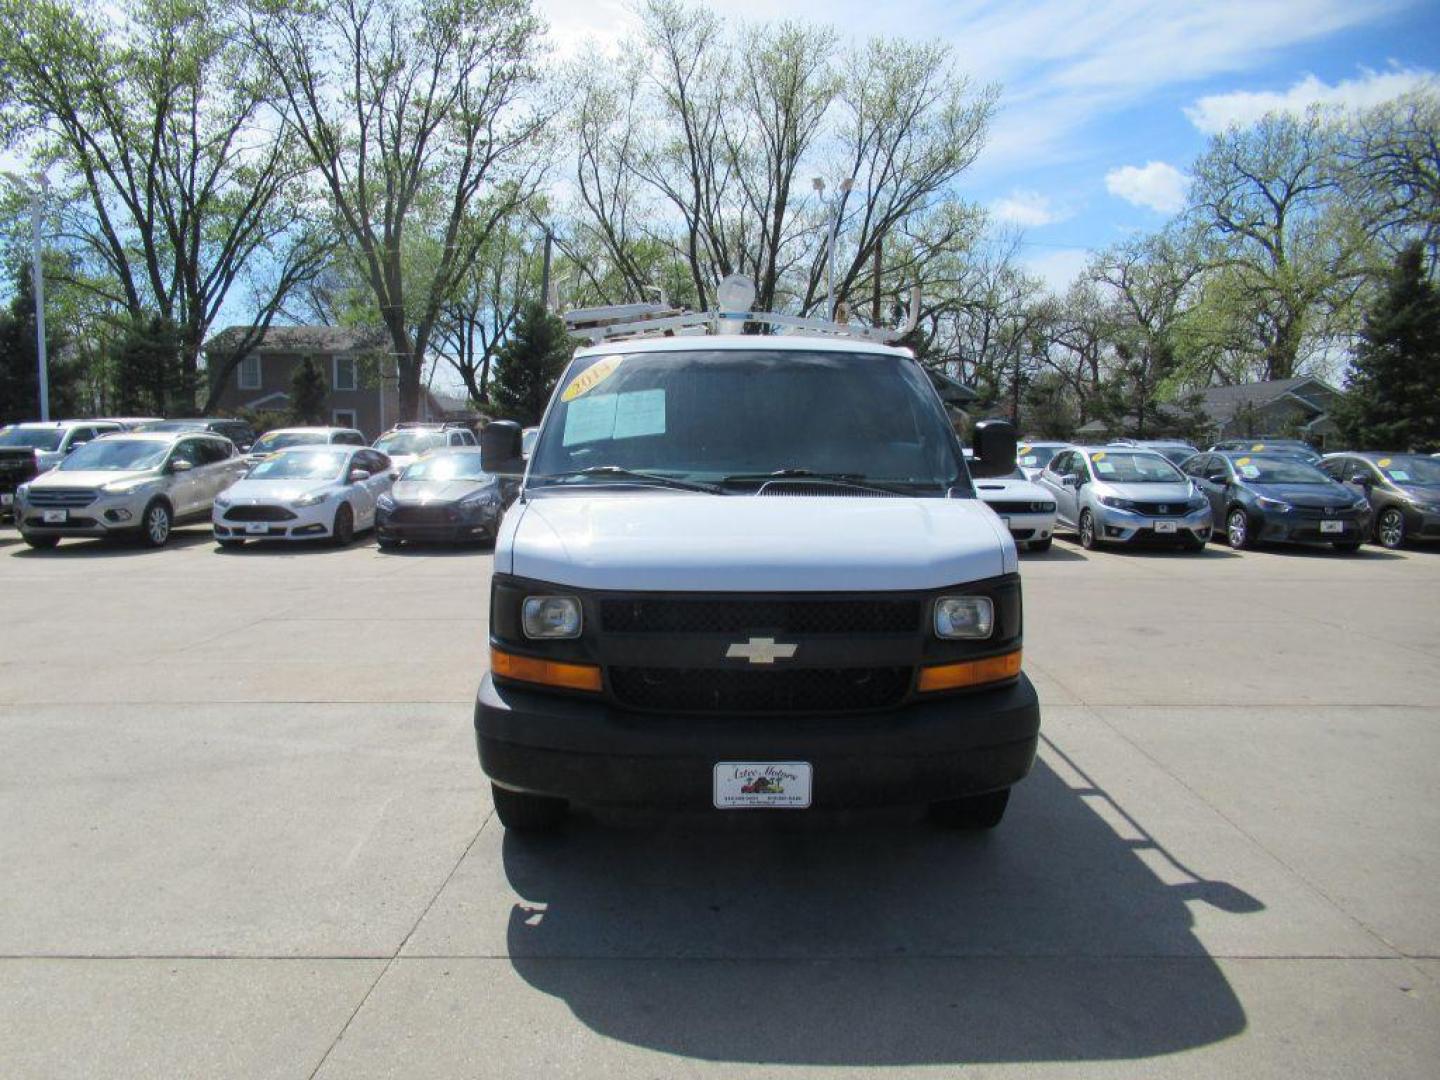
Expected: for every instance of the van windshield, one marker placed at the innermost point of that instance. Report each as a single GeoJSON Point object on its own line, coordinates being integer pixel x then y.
{"type": "Point", "coordinates": [709, 414]}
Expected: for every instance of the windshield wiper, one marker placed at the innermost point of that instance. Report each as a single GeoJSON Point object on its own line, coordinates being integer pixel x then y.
{"type": "Point", "coordinates": [620, 473]}
{"type": "Point", "coordinates": [854, 480]}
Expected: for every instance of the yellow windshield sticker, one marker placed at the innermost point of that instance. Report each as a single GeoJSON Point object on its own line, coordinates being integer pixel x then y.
{"type": "Point", "coordinates": [1243, 461]}
{"type": "Point", "coordinates": [1384, 462]}
{"type": "Point", "coordinates": [1257, 447]}
{"type": "Point", "coordinates": [1024, 449]}
{"type": "Point", "coordinates": [592, 377]}
{"type": "Point", "coordinates": [1098, 456]}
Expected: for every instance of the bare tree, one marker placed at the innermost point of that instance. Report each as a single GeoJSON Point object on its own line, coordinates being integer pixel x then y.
{"type": "Point", "coordinates": [411, 111]}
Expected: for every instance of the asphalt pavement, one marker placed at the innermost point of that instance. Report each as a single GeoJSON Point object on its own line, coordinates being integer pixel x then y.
{"type": "Point", "coordinates": [243, 834]}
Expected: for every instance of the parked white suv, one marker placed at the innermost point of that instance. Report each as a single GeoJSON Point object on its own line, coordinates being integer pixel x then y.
{"type": "Point", "coordinates": [134, 483]}
{"type": "Point", "coordinates": [751, 572]}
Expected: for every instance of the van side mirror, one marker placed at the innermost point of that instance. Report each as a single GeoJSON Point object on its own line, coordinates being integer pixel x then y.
{"type": "Point", "coordinates": [993, 442]}
{"type": "Point", "coordinates": [500, 448]}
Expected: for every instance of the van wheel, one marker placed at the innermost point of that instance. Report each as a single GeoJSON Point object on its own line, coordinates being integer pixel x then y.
{"type": "Point", "coordinates": [155, 524]}
{"type": "Point", "coordinates": [528, 813]}
{"type": "Point", "coordinates": [42, 543]}
{"type": "Point", "coordinates": [1088, 540]}
{"type": "Point", "coordinates": [976, 812]}
{"type": "Point", "coordinates": [343, 530]}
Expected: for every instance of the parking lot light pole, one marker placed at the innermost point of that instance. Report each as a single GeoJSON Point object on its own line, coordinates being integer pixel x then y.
{"type": "Point", "coordinates": [36, 192]}
{"type": "Point", "coordinates": [835, 206]}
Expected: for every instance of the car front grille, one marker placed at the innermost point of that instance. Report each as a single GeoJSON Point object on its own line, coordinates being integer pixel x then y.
{"type": "Point", "coordinates": [424, 515]}
{"type": "Point", "coordinates": [67, 498]}
{"type": "Point", "coordinates": [1165, 509]}
{"type": "Point", "coordinates": [702, 616]}
{"type": "Point", "coordinates": [1016, 507]}
{"type": "Point", "coordinates": [793, 690]}
{"type": "Point", "coordinates": [1320, 513]}
{"type": "Point", "coordinates": [259, 513]}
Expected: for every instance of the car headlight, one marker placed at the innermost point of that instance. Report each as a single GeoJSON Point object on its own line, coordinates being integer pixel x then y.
{"type": "Point", "coordinates": [385, 502]}
{"type": "Point", "coordinates": [1273, 504]}
{"type": "Point", "coordinates": [314, 499]}
{"type": "Point", "coordinates": [222, 501]}
{"type": "Point", "coordinates": [475, 502]}
{"type": "Point", "coordinates": [22, 492]}
{"type": "Point", "coordinates": [125, 487]}
{"type": "Point", "coordinates": [1197, 504]}
{"type": "Point", "coordinates": [967, 617]}
{"type": "Point", "coordinates": [551, 617]}
{"type": "Point", "coordinates": [1364, 504]}
{"type": "Point", "coordinates": [1116, 504]}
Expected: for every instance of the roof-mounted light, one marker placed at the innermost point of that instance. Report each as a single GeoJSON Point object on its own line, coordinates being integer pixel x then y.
{"type": "Point", "coordinates": [736, 293]}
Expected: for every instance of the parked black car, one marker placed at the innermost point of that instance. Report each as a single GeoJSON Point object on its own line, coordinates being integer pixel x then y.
{"type": "Point", "coordinates": [443, 496]}
{"type": "Point", "coordinates": [1263, 445]}
{"type": "Point", "coordinates": [237, 431]}
{"type": "Point", "coordinates": [1403, 491]}
{"type": "Point", "coordinates": [1263, 497]}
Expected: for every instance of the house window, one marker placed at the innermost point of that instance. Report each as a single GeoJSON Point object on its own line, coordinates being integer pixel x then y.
{"type": "Point", "coordinates": [250, 372]}
{"type": "Point", "coordinates": [344, 373]}
{"type": "Point", "coordinates": [343, 418]}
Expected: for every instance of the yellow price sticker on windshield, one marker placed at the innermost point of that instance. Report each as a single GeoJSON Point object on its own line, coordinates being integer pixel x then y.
{"type": "Point", "coordinates": [1257, 447]}
{"type": "Point", "coordinates": [1384, 462]}
{"type": "Point", "coordinates": [592, 377]}
{"type": "Point", "coordinates": [1024, 449]}
{"type": "Point", "coordinates": [1243, 461]}
{"type": "Point", "coordinates": [1098, 456]}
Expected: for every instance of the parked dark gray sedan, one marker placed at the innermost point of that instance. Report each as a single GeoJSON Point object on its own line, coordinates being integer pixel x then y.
{"type": "Point", "coordinates": [1403, 490]}
{"type": "Point", "coordinates": [443, 496]}
{"type": "Point", "coordinates": [1264, 497]}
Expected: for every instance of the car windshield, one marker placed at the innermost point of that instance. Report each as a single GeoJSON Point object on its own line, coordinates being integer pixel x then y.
{"type": "Point", "coordinates": [116, 455]}
{"type": "Point", "coordinates": [1278, 470]}
{"type": "Point", "coordinates": [1176, 454]}
{"type": "Point", "coordinates": [301, 465]}
{"type": "Point", "coordinates": [1411, 469]}
{"type": "Point", "coordinates": [409, 442]}
{"type": "Point", "coordinates": [1134, 467]}
{"type": "Point", "coordinates": [1035, 457]}
{"type": "Point", "coordinates": [33, 438]}
{"type": "Point", "coordinates": [278, 440]}
{"type": "Point", "coordinates": [713, 414]}
{"type": "Point", "coordinates": [445, 467]}
{"type": "Point", "coordinates": [173, 425]}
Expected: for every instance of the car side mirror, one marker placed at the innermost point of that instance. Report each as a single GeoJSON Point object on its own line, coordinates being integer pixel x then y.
{"type": "Point", "coordinates": [993, 443]}
{"type": "Point", "coordinates": [500, 448]}
{"type": "Point", "coordinates": [181, 466]}
{"type": "Point", "coordinates": [1218, 478]}
{"type": "Point", "coordinates": [357, 475]}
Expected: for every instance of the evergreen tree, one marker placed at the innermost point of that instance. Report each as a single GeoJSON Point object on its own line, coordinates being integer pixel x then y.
{"type": "Point", "coordinates": [1394, 384]}
{"type": "Point", "coordinates": [529, 364]}
{"type": "Point", "coordinates": [307, 393]}
{"type": "Point", "coordinates": [19, 360]}
{"type": "Point", "coordinates": [147, 367]}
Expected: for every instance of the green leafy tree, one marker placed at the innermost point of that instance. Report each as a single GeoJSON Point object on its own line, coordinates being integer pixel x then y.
{"type": "Point", "coordinates": [307, 392]}
{"type": "Point", "coordinates": [1394, 383]}
{"type": "Point", "coordinates": [529, 365]}
{"type": "Point", "coordinates": [19, 361]}
{"type": "Point", "coordinates": [145, 366]}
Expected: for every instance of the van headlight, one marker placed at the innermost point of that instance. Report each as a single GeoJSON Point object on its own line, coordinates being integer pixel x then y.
{"type": "Point", "coordinates": [551, 617]}
{"type": "Point", "coordinates": [964, 617]}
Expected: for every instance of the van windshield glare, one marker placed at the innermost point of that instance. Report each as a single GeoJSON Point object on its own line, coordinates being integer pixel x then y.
{"type": "Point", "coordinates": [709, 414]}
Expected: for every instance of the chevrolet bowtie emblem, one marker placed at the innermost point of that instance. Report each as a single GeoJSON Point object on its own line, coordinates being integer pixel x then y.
{"type": "Point", "coordinates": [760, 650]}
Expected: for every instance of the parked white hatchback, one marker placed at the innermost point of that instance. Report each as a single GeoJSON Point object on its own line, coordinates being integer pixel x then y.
{"type": "Point", "coordinates": [305, 493]}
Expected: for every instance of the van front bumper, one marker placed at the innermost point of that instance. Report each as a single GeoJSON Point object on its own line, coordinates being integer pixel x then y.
{"type": "Point", "coordinates": [590, 752]}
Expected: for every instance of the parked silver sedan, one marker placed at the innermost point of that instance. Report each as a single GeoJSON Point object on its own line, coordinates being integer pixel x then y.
{"type": "Point", "coordinates": [1123, 495]}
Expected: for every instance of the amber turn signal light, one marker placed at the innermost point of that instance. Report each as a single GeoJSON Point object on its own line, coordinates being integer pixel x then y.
{"type": "Point", "coordinates": [545, 672]}
{"type": "Point", "coordinates": [970, 673]}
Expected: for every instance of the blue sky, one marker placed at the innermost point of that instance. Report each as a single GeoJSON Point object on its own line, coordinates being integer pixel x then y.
{"type": "Point", "coordinates": [1105, 103]}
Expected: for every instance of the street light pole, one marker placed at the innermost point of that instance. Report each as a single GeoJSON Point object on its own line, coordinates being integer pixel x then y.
{"type": "Point", "coordinates": [37, 269]}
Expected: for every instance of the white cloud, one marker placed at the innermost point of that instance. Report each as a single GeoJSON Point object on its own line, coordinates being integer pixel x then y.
{"type": "Point", "coordinates": [1216, 112]}
{"type": "Point", "coordinates": [1155, 185]}
{"type": "Point", "coordinates": [1058, 268]}
{"type": "Point", "coordinates": [1028, 209]}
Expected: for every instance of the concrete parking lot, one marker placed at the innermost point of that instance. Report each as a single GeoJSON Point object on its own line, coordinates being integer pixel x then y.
{"type": "Point", "coordinates": [243, 834]}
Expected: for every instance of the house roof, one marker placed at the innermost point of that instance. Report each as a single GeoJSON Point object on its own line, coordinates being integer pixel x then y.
{"type": "Point", "coordinates": [321, 339]}
{"type": "Point", "coordinates": [1223, 402]}
{"type": "Point", "coordinates": [450, 403]}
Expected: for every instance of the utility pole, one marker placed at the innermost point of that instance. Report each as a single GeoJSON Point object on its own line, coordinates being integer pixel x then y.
{"type": "Point", "coordinates": [545, 269]}
{"type": "Point", "coordinates": [875, 299]}
{"type": "Point", "coordinates": [37, 270]}
{"type": "Point", "coordinates": [836, 205]}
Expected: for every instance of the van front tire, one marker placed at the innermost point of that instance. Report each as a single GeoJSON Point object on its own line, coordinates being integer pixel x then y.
{"type": "Point", "coordinates": [528, 813]}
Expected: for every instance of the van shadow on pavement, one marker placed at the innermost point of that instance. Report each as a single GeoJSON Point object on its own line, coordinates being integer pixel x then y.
{"type": "Point", "coordinates": [874, 939]}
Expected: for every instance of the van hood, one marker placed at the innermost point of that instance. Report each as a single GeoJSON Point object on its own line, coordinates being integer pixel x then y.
{"type": "Point", "coordinates": [662, 541]}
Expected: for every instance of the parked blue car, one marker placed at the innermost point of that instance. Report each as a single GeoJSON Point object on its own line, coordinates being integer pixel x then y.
{"type": "Point", "coordinates": [1258, 498]}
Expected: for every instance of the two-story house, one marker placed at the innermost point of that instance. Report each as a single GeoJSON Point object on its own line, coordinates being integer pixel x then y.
{"type": "Point", "coordinates": [360, 378]}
